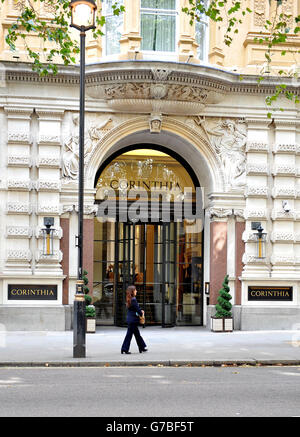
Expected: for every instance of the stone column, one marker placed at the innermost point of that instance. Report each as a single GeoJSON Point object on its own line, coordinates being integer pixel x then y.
{"type": "Point", "coordinates": [18, 185]}
{"type": "Point", "coordinates": [257, 193]}
{"type": "Point", "coordinates": [48, 187]}
{"type": "Point", "coordinates": [186, 45]}
{"type": "Point", "coordinates": [286, 192]}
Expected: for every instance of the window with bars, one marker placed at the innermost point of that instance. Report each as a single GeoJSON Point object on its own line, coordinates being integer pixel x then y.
{"type": "Point", "coordinates": [158, 25]}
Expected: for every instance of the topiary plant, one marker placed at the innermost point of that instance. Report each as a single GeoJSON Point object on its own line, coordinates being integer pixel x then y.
{"type": "Point", "coordinates": [223, 306]}
{"type": "Point", "coordinates": [90, 310]}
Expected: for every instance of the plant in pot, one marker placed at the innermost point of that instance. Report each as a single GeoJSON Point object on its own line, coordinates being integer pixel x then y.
{"type": "Point", "coordinates": [90, 311]}
{"type": "Point", "coordinates": [222, 321]}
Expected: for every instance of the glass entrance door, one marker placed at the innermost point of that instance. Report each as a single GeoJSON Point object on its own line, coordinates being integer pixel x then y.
{"type": "Point", "coordinates": [146, 258]}
{"type": "Point", "coordinates": [163, 260]}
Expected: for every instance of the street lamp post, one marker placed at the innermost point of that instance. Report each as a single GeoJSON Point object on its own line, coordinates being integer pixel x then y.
{"type": "Point", "coordinates": [82, 18]}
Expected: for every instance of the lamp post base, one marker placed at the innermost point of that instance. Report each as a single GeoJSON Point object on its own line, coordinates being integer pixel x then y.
{"type": "Point", "coordinates": [79, 325]}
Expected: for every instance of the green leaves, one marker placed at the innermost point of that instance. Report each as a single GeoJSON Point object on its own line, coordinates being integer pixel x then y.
{"type": "Point", "coordinates": [223, 306]}
{"type": "Point", "coordinates": [51, 29]}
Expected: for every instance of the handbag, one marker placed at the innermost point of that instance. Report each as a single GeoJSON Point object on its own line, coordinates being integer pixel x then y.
{"type": "Point", "coordinates": [142, 319]}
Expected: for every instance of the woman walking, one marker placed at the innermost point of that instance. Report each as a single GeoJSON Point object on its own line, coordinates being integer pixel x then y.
{"type": "Point", "coordinates": [133, 313]}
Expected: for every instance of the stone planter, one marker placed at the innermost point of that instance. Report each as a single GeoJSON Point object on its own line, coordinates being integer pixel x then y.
{"type": "Point", "coordinates": [222, 324]}
{"type": "Point", "coordinates": [90, 325]}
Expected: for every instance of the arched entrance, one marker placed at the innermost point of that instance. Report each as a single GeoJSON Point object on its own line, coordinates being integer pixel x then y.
{"type": "Point", "coordinates": [146, 233]}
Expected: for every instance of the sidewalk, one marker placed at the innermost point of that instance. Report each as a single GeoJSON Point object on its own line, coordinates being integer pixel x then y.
{"type": "Point", "coordinates": [194, 346]}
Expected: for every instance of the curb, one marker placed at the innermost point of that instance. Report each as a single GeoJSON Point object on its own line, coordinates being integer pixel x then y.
{"type": "Point", "coordinates": [168, 363]}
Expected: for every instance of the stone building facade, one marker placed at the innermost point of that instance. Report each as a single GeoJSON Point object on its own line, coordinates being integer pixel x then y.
{"type": "Point", "coordinates": [181, 110]}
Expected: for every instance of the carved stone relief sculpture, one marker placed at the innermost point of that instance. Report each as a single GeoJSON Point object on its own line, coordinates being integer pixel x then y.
{"type": "Point", "coordinates": [228, 138]}
{"type": "Point", "coordinates": [70, 156]}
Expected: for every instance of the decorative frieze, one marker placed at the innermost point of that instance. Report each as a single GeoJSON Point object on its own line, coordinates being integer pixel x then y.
{"type": "Point", "coordinates": [252, 259]}
{"type": "Point", "coordinates": [48, 185]}
{"type": "Point", "coordinates": [18, 138]}
{"type": "Point", "coordinates": [284, 170]}
{"type": "Point", "coordinates": [257, 191]}
{"type": "Point", "coordinates": [284, 192]}
{"type": "Point", "coordinates": [219, 212]}
{"type": "Point", "coordinates": [45, 208]}
{"type": "Point", "coordinates": [283, 237]}
{"type": "Point", "coordinates": [282, 260]}
{"type": "Point", "coordinates": [18, 232]}
{"type": "Point", "coordinates": [257, 169]}
{"type": "Point", "coordinates": [285, 148]}
{"type": "Point", "coordinates": [49, 139]}
{"type": "Point", "coordinates": [17, 255]}
{"type": "Point", "coordinates": [257, 147]}
{"type": "Point", "coordinates": [48, 162]}
{"type": "Point", "coordinates": [260, 214]}
{"type": "Point", "coordinates": [18, 208]}
{"type": "Point", "coordinates": [19, 184]}
{"type": "Point", "coordinates": [282, 215]}
{"type": "Point", "coordinates": [49, 259]}
{"type": "Point", "coordinates": [19, 161]}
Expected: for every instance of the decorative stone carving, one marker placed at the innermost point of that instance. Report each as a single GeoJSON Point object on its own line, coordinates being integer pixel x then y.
{"type": "Point", "coordinates": [282, 215]}
{"type": "Point", "coordinates": [48, 185]}
{"type": "Point", "coordinates": [285, 148]}
{"type": "Point", "coordinates": [18, 208]}
{"type": "Point", "coordinates": [252, 259]}
{"type": "Point", "coordinates": [19, 161]}
{"type": "Point", "coordinates": [155, 123]}
{"type": "Point", "coordinates": [18, 138]}
{"type": "Point", "coordinates": [259, 12]}
{"type": "Point", "coordinates": [284, 192]}
{"type": "Point", "coordinates": [44, 209]}
{"type": "Point", "coordinates": [282, 260]}
{"type": "Point", "coordinates": [256, 214]}
{"type": "Point", "coordinates": [257, 191]}
{"type": "Point", "coordinates": [228, 138]}
{"type": "Point", "coordinates": [289, 170]}
{"type": "Point", "coordinates": [160, 74]}
{"type": "Point", "coordinates": [70, 157]}
{"type": "Point", "coordinates": [220, 212]}
{"type": "Point", "coordinates": [257, 169]}
{"type": "Point", "coordinates": [285, 237]}
{"type": "Point", "coordinates": [253, 146]}
{"type": "Point", "coordinates": [49, 139]}
{"type": "Point", "coordinates": [19, 255]}
{"type": "Point", "coordinates": [45, 161]}
{"type": "Point", "coordinates": [49, 259]}
{"type": "Point", "coordinates": [18, 232]}
{"type": "Point", "coordinates": [19, 184]}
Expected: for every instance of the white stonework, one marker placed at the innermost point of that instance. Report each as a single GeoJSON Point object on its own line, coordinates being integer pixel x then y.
{"type": "Point", "coordinates": [247, 165]}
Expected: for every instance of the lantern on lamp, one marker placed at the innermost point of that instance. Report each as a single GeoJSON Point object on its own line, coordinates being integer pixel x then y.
{"type": "Point", "coordinates": [48, 233]}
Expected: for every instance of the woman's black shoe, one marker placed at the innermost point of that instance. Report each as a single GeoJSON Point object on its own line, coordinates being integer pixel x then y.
{"type": "Point", "coordinates": [125, 352]}
{"type": "Point", "coordinates": [143, 350]}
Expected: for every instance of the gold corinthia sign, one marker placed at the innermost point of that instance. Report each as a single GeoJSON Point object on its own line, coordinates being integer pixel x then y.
{"type": "Point", "coordinates": [31, 292]}
{"type": "Point", "coordinates": [270, 293]}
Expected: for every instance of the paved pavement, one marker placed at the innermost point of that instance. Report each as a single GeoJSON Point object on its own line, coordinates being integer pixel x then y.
{"type": "Point", "coordinates": [169, 347]}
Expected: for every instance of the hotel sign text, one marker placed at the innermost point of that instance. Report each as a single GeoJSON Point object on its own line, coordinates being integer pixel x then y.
{"type": "Point", "coordinates": [270, 293]}
{"type": "Point", "coordinates": [32, 292]}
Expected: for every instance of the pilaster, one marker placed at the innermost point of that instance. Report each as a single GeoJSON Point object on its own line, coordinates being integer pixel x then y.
{"type": "Point", "coordinates": [131, 38]}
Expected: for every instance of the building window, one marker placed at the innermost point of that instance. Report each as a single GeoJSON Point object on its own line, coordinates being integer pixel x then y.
{"type": "Point", "coordinates": [113, 28]}
{"type": "Point", "coordinates": [201, 37]}
{"type": "Point", "coordinates": [158, 25]}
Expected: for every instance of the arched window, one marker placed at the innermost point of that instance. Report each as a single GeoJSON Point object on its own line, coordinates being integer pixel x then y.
{"type": "Point", "coordinates": [113, 29]}
{"type": "Point", "coordinates": [158, 25]}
